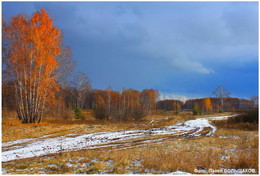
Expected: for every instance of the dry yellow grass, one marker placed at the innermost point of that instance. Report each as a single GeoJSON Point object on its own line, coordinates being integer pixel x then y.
{"type": "Point", "coordinates": [228, 148]}
{"type": "Point", "coordinates": [185, 155]}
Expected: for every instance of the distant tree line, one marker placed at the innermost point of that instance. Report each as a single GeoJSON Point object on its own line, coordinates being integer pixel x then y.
{"type": "Point", "coordinates": [208, 105]}
{"type": "Point", "coordinates": [128, 104]}
{"type": "Point", "coordinates": [170, 105]}
{"type": "Point", "coordinates": [222, 102]}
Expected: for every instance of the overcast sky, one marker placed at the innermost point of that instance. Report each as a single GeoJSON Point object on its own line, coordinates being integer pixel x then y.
{"type": "Point", "coordinates": [183, 49]}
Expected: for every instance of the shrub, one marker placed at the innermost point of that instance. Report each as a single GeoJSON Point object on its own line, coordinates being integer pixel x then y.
{"type": "Point", "coordinates": [67, 115]}
{"type": "Point", "coordinates": [119, 114]}
{"type": "Point", "coordinates": [247, 121]}
{"type": "Point", "coordinates": [78, 113]}
{"type": "Point", "coordinates": [100, 112]}
{"type": "Point", "coordinates": [139, 113]}
{"type": "Point", "coordinates": [196, 111]}
{"type": "Point", "coordinates": [246, 117]}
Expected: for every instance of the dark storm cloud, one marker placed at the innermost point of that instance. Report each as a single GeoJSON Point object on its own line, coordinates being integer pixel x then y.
{"type": "Point", "coordinates": [175, 47]}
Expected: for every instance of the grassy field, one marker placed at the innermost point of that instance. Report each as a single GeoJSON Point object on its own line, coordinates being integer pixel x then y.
{"type": "Point", "coordinates": [229, 148]}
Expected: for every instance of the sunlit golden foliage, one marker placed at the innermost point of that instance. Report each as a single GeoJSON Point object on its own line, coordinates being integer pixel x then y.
{"type": "Point", "coordinates": [34, 46]}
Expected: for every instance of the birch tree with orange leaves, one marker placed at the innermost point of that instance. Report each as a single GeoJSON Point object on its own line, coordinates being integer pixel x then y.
{"type": "Point", "coordinates": [34, 47]}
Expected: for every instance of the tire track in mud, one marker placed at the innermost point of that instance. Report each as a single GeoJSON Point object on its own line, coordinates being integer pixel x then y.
{"type": "Point", "coordinates": [118, 139]}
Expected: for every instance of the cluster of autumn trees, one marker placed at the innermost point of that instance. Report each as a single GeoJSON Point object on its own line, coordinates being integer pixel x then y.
{"type": "Point", "coordinates": [106, 104]}
{"type": "Point", "coordinates": [126, 105]}
{"type": "Point", "coordinates": [170, 105]}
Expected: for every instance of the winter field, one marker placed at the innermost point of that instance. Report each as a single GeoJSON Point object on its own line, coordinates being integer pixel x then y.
{"type": "Point", "coordinates": [160, 144]}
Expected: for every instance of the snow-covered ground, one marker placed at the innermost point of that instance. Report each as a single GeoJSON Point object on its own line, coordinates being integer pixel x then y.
{"type": "Point", "coordinates": [6, 144]}
{"type": "Point", "coordinates": [221, 117]}
{"type": "Point", "coordinates": [26, 148]}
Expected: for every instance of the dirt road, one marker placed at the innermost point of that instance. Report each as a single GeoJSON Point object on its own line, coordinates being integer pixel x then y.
{"type": "Point", "coordinates": [33, 147]}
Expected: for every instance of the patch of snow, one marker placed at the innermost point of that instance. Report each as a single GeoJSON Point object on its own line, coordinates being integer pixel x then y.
{"type": "Point", "coordinates": [224, 157]}
{"type": "Point", "coordinates": [230, 137]}
{"type": "Point", "coordinates": [105, 171]}
{"type": "Point", "coordinates": [137, 163]}
{"type": "Point", "coordinates": [161, 172]}
{"type": "Point", "coordinates": [4, 171]}
{"type": "Point", "coordinates": [41, 172]}
{"type": "Point", "coordinates": [230, 151]}
{"type": "Point", "coordinates": [52, 165]}
{"type": "Point", "coordinates": [131, 173]}
{"type": "Point", "coordinates": [179, 173]}
{"type": "Point", "coordinates": [6, 144]}
{"type": "Point", "coordinates": [95, 160]}
{"type": "Point", "coordinates": [150, 170]}
{"type": "Point", "coordinates": [86, 165]}
{"type": "Point", "coordinates": [153, 171]}
{"type": "Point", "coordinates": [19, 141]}
{"type": "Point", "coordinates": [221, 117]}
{"type": "Point", "coordinates": [69, 164]}
{"type": "Point", "coordinates": [201, 124]}
{"type": "Point", "coordinates": [110, 163]}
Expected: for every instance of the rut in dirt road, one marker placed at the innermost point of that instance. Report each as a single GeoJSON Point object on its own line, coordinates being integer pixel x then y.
{"type": "Point", "coordinates": [40, 147]}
